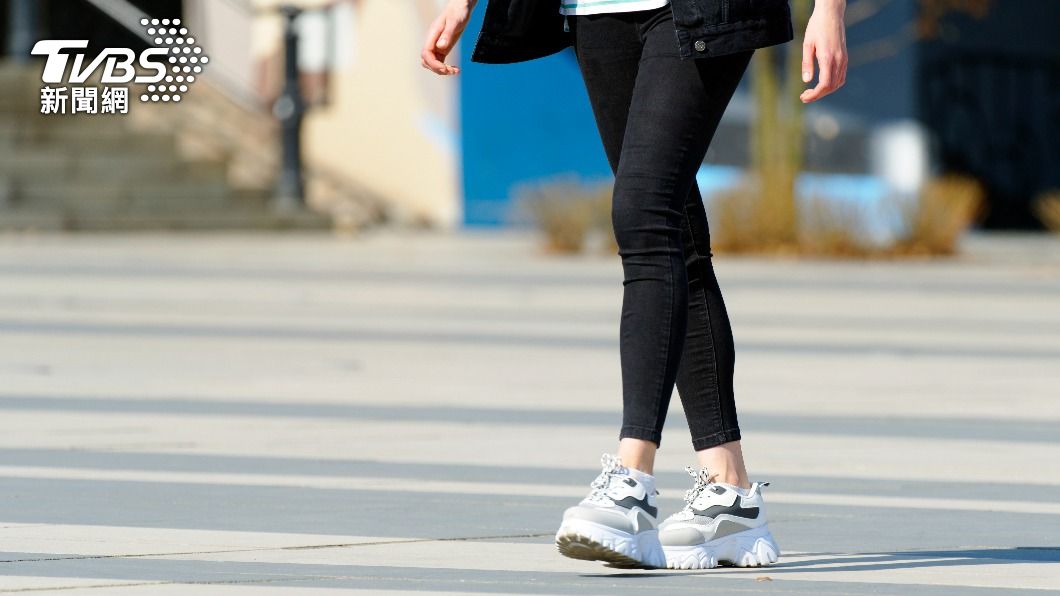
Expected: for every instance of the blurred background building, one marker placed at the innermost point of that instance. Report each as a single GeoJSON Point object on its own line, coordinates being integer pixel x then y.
{"type": "Point", "coordinates": [379, 138]}
{"type": "Point", "coordinates": [973, 91]}
{"type": "Point", "coordinates": [930, 90]}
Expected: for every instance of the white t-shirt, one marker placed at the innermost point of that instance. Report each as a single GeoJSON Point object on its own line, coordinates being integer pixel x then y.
{"type": "Point", "coordinates": [600, 6]}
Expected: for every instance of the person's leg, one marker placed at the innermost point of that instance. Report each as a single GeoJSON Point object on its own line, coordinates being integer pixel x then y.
{"type": "Point", "coordinates": [674, 111]}
{"type": "Point", "coordinates": [609, 67]}
{"type": "Point", "coordinates": [705, 377]}
{"type": "Point", "coordinates": [724, 517]}
{"type": "Point", "coordinates": [617, 521]}
{"type": "Point", "coordinates": [608, 49]}
{"type": "Point", "coordinates": [721, 521]}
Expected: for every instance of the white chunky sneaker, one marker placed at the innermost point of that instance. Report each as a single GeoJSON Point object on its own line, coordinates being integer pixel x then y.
{"type": "Point", "coordinates": [615, 523]}
{"type": "Point", "coordinates": [718, 525]}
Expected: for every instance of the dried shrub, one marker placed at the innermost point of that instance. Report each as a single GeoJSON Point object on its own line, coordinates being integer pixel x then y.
{"type": "Point", "coordinates": [834, 228]}
{"type": "Point", "coordinates": [568, 212]}
{"type": "Point", "coordinates": [933, 224]}
{"type": "Point", "coordinates": [600, 200]}
{"type": "Point", "coordinates": [1047, 208]}
{"type": "Point", "coordinates": [733, 226]}
{"type": "Point", "coordinates": [744, 219]}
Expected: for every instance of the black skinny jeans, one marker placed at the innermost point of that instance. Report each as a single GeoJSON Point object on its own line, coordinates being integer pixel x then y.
{"type": "Point", "coordinates": [657, 115]}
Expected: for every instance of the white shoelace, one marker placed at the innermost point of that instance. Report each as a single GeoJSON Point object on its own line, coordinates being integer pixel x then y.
{"type": "Point", "coordinates": [612, 466]}
{"type": "Point", "coordinates": [702, 480]}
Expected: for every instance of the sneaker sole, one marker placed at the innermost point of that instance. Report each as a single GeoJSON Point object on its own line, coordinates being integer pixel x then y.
{"type": "Point", "coordinates": [587, 541]}
{"type": "Point", "coordinates": [750, 548]}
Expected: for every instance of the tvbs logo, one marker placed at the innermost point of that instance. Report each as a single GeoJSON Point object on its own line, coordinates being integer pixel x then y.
{"type": "Point", "coordinates": [119, 64]}
{"type": "Point", "coordinates": [167, 69]}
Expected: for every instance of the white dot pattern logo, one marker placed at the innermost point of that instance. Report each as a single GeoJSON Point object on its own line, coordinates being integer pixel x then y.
{"type": "Point", "coordinates": [185, 57]}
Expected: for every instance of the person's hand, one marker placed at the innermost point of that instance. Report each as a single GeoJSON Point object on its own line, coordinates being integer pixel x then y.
{"type": "Point", "coordinates": [826, 41]}
{"type": "Point", "coordinates": [443, 34]}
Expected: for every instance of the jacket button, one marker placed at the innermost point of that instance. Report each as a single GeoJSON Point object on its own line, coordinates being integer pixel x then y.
{"type": "Point", "coordinates": [701, 45]}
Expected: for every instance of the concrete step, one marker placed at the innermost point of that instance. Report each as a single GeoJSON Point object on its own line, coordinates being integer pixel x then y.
{"type": "Point", "coordinates": [59, 164]}
{"type": "Point", "coordinates": [30, 220]}
{"type": "Point", "coordinates": [100, 123]}
{"type": "Point", "coordinates": [46, 194]}
{"type": "Point", "coordinates": [94, 172]}
{"type": "Point", "coordinates": [252, 196]}
{"type": "Point", "coordinates": [12, 72]}
{"type": "Point", "coordinates": [112, 147]}
{"type": "Point", "coordinates": [20, 87]}
{"type": "Point", "coordinates": [20, 95]}
{"type": "Point", "coordinates": [130, 220]}
{"type": "Point", "coordinates": [28, 153]}
{"type": "Point", "coordinates": [145, 169]}
{"type": "Point", "coordinates": [82, 140]}
{"type": "Point", "coordinates": [35, 163]}
{"type": "Point", "coordinates": [92, 126]}
{"type": "Point", "coordinates": [133, 170]}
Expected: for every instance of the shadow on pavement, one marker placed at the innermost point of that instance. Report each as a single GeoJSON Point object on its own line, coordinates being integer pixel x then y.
{"type": "Point", "coordinates": [915, 558]}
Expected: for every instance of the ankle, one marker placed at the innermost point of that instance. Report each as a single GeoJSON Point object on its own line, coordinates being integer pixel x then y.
{"type": "Point", "coordinates": [733, 480]}
{"type": "Point", "coordinates": [638, 454]}
{"type": "Point", "coordinates": [725, 464]}
{"type": "Point", "coordinates": [642, 467]}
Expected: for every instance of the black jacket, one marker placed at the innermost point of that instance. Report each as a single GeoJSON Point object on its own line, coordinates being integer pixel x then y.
{"type": "Point", "coordinates": [520, 30]}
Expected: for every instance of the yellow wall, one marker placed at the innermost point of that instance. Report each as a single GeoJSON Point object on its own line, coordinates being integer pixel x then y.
{"type": "Point", "coordinates": [390, 125]}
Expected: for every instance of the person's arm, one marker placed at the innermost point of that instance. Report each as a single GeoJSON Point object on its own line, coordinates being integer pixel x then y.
{"type": "Point", "coordinates": [443, 34]}
{"type": "Point", "coordinates": [826, 41]}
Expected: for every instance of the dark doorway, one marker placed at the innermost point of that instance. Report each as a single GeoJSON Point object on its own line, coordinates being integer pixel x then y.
{"type": "Point", "coordinates": [998, 119]}
{"type": "Point", "coordinates": [77, 19]}
{"type": "Point", "coordinates": [990, 92]}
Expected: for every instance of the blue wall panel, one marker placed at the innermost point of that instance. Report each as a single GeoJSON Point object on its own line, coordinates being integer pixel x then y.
{"type": "Point", "coordinates": [883, 58]}
{"type": "Point", "coordinates": [521, 123]}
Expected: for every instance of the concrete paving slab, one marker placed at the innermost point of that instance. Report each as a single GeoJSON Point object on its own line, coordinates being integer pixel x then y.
{"type": "Point", "coordinates": [410, 413]}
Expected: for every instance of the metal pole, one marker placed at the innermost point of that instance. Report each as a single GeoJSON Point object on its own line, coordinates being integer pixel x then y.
{"type": "Point", "coordinates": [290, 109]}
{"type": "Point", "coordinates": [21, 29]}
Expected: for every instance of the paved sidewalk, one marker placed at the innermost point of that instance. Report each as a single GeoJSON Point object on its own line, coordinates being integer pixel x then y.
{"type": "Point", "coordinates": [411, 413]}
